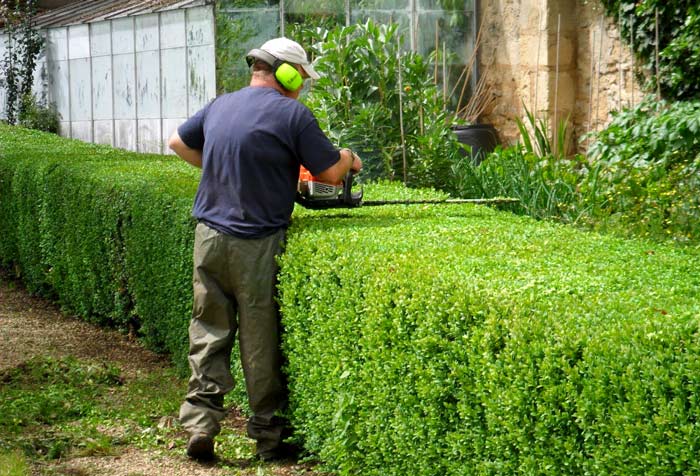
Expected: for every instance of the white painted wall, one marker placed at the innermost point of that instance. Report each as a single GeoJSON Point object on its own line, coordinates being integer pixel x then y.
{"type": "Point", "coordinates": [129, 82]}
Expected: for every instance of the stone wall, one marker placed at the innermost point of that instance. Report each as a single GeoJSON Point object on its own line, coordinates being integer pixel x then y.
{"type": "Point", "coordinates": [558, 58]}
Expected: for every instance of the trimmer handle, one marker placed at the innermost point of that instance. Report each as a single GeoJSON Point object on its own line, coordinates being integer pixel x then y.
{"type": "Point", "coordinates": [351, 199]}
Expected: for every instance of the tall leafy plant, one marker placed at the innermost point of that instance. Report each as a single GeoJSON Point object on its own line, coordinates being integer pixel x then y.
{"type": "Point", "coordinates": [23, 46]}
{"type": "Point", "coordinates": [648, 167]}
{"type": "Point", "coordinates": [537, 171]}
{"type": "Point", "coordinates": [381, 101]}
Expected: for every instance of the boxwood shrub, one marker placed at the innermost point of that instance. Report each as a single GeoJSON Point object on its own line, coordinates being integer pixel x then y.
{"type": "Point", "coordinates": [459, 340]}
{"type": "Point", "coordinates": [105, 232]}
{"type": "Point", "coordinates": [424, 340]}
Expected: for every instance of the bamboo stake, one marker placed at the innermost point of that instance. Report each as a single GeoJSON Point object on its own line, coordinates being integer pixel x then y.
{"type": "Point", "coordinates": [556, 86]}
{"type": "Point", "coordinates": [634, 58]}
{"type": "Point", "coordinates": [600, 60]}
{"type": "Point", "coordinates": [403, 137]}
{"type": "Point", "coordinates": [619, 62]}
{"type": "Point", "coordinates": [590, 86]}
{"type": "Point", "coordinates": [656, 52]}
{"type": "Point", "coordinates": [468, 69]}
{"type": "Point", "coordinates": [444, 76]}
{"type": "Point", "coordinates": [537, 65]}
{"type": "Point", "coordinates": [437, 46]}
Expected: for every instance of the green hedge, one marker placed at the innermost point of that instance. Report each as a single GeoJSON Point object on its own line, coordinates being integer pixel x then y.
{"type": "Point", "coordinates": [426, 340]}
{"type": "Point", "coordinates": [461, 340]}
{"type": "Point", "coordinates": [106, 232]}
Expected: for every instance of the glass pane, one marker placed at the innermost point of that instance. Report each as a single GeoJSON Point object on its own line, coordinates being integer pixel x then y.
{"type": "Point", "coordinates": [456, 39]}
{"type": "Point", "coordinates": [448, 5]}
{"type": "Point", "coordinates": [245, 4]}
{"type": "Point", "coordinates": [454, 29]}
{"type": "Point", "coordinates": [315, 6]}
{"type": "Point", "coordinates": [236, 34]}
{"type": "Point", "coordinates": [380, 4]}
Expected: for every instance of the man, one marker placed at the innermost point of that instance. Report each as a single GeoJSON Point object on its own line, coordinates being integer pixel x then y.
{"type": "Point", "coordinates": [250, 145]}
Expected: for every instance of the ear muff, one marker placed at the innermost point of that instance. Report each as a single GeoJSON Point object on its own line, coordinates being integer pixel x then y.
{"type": "Point", "coordinates": [288, 76]}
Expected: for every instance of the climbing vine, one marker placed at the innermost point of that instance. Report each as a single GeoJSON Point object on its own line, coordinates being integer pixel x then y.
{"type": "Point", "coordinates": [678, 23]}
{"type": "Point", "coordinates": [23, 44]}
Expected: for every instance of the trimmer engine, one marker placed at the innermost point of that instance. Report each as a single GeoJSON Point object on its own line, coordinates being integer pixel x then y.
{"type": "Point", "coordinates": [314, 194]}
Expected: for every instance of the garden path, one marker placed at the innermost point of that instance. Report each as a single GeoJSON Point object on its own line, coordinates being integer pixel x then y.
{"type": "Point", "coordinates": [34, 327]}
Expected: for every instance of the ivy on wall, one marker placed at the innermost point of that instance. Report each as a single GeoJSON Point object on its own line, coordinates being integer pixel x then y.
{"type": "Point", "coordinates": [17, 66]}
{"type": "Point", "coordinates": [679, 41]}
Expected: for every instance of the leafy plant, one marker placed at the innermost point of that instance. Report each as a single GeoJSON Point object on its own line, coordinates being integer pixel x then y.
{"type": "Point", "coordinates": [23, 46]}
{"type": "Point", "coordinates": [35, 116]}
{"type": "Point", "coordinates": [537, 171]}
{"type": "Point", "coordinates": [679, 40]}
{"type": "Point", "coordinates": [381, 102]}
{"type": "Point", "coordinates": [648, 165]}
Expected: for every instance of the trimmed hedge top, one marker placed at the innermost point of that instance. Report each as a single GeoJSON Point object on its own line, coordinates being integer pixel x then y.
{"type": "Point", "coordinates": [462, 340]}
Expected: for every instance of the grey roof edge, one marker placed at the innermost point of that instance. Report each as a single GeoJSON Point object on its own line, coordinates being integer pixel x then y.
{"type": "Point", "coordinates": [83, 12]}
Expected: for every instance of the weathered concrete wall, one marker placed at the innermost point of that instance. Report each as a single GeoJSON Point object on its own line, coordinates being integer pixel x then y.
{"type": "Point", "coordinates": [558, 58]}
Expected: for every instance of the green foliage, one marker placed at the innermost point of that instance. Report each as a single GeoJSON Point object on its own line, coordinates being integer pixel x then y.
{"type": "Point", "coordinates": [13, 464]}
{"type": "Point", "coordinates": [641, 175]}
{"type": "Point", "coordinates": [106, 232]}
{"type": "Point", "coordinates": [359, 98]}
{"type": "Point", "coordinates": [536, 171]}
{"type": "Point", "coordinates": [35, 116]}
{"type": "Point", "coordinates": [487, 343]}
{"type": "Point", "coordinates": [679, 41]}
{"type": "Point", "coordinates": [426, 340]}
{"type": "Point", "coordinates": [23, 47]}
{"type": "Point", "coordinates": [648, 170]}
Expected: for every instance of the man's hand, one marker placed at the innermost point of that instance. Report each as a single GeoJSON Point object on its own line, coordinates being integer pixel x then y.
{"type": "Point", "coordinates": [356, 165]}
{"type": "Point", "coordinates": [336, 173]}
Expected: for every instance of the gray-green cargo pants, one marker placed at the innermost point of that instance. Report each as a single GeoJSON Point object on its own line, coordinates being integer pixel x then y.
{"type": "Point", "coordinates": [234, 290]}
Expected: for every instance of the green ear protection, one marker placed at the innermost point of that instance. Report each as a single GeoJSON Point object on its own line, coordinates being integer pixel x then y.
{"type": "Point", "coordinates": [286, 74]}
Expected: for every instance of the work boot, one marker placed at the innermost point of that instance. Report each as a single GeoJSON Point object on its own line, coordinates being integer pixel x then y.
{"type": "Point", "coordinates": [283, 452]}
{"type": "Point", "coordinates": [201, 447]}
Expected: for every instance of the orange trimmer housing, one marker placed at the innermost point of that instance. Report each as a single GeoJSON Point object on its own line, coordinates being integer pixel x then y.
{"type": "Point", "coordinates": [314, 194]}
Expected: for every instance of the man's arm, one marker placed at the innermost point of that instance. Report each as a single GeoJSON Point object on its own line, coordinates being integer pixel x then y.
{"type": "Point", "coordinates": [337, 172]}
{"type": "Point", "coordinates": [189, 155]}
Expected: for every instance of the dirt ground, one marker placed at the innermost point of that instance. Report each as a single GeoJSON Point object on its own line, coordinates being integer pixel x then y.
{"type": "Point", "coordinates": [31, 327]}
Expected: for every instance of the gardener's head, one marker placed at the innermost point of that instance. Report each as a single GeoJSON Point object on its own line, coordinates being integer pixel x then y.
{"type": "Point", "coordinates": [285, 59]}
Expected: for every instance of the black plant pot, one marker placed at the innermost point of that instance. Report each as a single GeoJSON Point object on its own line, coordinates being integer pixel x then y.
{"type": "Point", "coordinates": [482, 138]}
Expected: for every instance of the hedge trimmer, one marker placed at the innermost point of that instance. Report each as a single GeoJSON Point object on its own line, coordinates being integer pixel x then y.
{"type": "Point", "coordinates": [317, 195]}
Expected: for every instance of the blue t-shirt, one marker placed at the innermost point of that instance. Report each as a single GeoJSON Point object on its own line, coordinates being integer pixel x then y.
{"type": "Point", "coordinates": [252, 143]}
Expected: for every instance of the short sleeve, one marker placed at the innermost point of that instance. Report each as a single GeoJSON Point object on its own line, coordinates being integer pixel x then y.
{"type": "Point", "coordinates": [316, 150]}
{"type": "Point", "coordinates": [192, 130]}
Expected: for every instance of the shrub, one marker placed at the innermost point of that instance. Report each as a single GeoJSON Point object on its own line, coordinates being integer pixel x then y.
{"type": "Point", "coordinates": [648, 171]}
{"type": "Point", "coordinates": [108, 233]}
{"type": "Point", "coordinates": [36, 116]}
{"type": "Point", "coordinates": [359, 97]}
{"type": "Point", "coordinates": [460, 340]}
